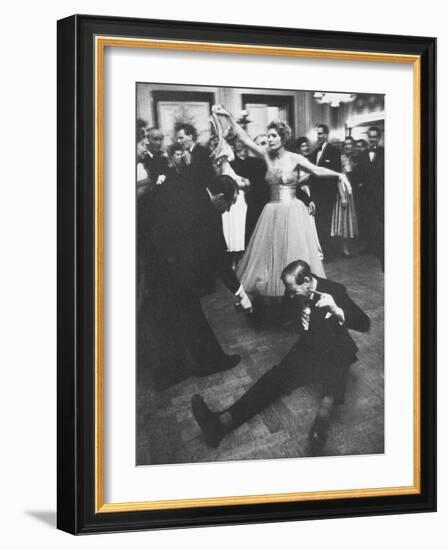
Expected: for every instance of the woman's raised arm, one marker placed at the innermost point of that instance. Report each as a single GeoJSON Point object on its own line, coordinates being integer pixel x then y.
{"type": "Point", "coordinates": [239, 132]}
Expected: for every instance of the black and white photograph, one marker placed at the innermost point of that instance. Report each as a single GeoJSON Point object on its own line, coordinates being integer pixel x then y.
{"type": "Point", "coordinates": [260, 273]}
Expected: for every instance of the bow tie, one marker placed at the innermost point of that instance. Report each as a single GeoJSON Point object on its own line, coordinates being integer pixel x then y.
{"type": "Point", "coordinates": [372, 149]}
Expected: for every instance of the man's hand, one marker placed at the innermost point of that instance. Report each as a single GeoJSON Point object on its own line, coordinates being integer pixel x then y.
{"type": "Point", "coordinates": [311, 208]}
{"type": "Point", "coordinates": [244, 300]}
{"type": "Point", "coordinates": [327, 301]}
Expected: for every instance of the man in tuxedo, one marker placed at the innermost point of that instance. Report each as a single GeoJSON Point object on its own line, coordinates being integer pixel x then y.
{"type": "Point", "coordinates": [257, 194]}
{"type": "Point", "coordinates": [199, 169]}
{"type": "Point", "coordinates": [324, 190]}
{"type": "Point", "coordinates": [359, 178]}
{"type": "Point", "coordinates": [368, 186]}
{"type": "Point", "coordinates": [375, 193]}
{"type": "Point", "coordinates": [324, 352]}
{"type": "Point", "coordinates": [152, 168]}
{"type": "Point", "coordinates": [156, 159]}
{"type": "Point", "coordinates": [186, 251]}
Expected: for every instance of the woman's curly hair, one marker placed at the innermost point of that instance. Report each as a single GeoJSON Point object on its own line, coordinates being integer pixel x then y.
{"type": "Point", "coordinates": [282, 129]}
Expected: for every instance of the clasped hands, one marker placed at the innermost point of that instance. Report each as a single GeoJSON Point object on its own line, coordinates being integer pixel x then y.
{"type": "Point", "coordinates": [327, 301]}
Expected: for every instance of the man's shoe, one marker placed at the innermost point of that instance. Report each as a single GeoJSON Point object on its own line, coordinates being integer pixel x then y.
{"type": "Point", "coordinates": [208, 421]}
{"type": "Point", "coordinates": [319, 429]}
{"type": "Point", "coordinates": [318, 435]}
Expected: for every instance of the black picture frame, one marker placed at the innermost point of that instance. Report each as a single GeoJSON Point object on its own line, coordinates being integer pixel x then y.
{"type": "Point", "coordinates": [76, 476]}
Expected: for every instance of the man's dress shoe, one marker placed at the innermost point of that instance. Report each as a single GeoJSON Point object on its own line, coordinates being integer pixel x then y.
{"type": "Point", "coordinates": [208, 421]}
{"type": "Point", "coordinates": [318, 433]}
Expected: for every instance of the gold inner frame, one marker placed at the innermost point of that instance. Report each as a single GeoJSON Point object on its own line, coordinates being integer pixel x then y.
{"type": "Point", "coordinates": [101, 42]}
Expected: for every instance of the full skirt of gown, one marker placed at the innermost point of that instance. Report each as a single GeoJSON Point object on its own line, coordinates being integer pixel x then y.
{"type": "Point", "coordinates": [344, 222]}
{"type": "Point", "coordinates": [285, 232]}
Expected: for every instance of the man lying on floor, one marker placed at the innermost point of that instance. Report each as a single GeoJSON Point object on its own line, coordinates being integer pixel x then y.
{"type": "Point", "coordinates": [323, 353]}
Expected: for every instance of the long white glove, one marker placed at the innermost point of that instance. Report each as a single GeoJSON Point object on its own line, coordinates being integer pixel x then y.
{"type": "Point", "coordinates": [244, 300]}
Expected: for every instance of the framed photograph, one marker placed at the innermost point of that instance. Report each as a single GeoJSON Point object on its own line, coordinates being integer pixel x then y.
{"type": "Point", "coordinates": [246, 274]}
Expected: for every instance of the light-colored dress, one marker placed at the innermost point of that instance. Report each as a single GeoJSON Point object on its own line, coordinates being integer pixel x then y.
{"type": "Point", "coordinates": [285, 232]}
{"type": "Point", "coordinates": [234, 224]}
{"type": "Point", "coordinates": [234, 221]}
{"type": "Point", "coordinates": [344, 222]}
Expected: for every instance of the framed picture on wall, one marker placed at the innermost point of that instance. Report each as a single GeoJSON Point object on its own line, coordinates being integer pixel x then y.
{"type": "Point", "coordinates": [246, 274]}
{"type": "Point", "coordinates": [172, 106]}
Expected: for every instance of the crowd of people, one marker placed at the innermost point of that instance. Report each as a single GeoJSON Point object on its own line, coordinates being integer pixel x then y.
{"type": "Point", "coordinates": [264, 215]}
{"type": "Point", "coordinates": [340, 215]}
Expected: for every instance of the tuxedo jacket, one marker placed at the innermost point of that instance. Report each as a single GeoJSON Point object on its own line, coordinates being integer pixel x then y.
{"type": "Point", "coordinates": [200, 170]}
{"type": "Point", "coordinates": [331, 159]}
{"type": "Point", "coordinates": [360, 173]}
{"type": "Point", "coordinates": [377, 164]}
{"type": "Point", "coordinates": [155, 165]}
{"type": "Point", "coordinates": [327, 341]}
{"type": "Point", "coordinates": [375, 179]}
{"type": "Point", "coordinates": [253, 169]}
{"type": "Point", "coordinates": [187, 249]}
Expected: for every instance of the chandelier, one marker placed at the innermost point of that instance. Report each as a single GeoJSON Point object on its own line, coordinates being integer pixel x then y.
{"type": "Point", "coordinates": [333, 98]}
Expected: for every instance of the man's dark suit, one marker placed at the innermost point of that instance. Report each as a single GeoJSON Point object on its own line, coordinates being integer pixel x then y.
{"type": "Point", "coordinates": [200, 170]}
{"type": "Point", "coordinates": [257, 195]}
{"type": "Point", "coordinates": [186, 252]}
{"type": "Point", "coordinates": [322, 354]}
{"type": "Point", "coordinates": [359, 179]}
{"type": "Point", "coordinates": [324, 193]}
{"type": "Point", "coordinates": [368, 191]}
{"type": "Point", "coordinates": [156, 164]}
{"type": "Point", "coordinates": [375, 192]}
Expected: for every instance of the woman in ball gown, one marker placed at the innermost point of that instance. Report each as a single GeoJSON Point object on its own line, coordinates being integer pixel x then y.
{"type": "Point", "coordinates": [285, 230]}
{"type": "Point", "coordinates": [344, 223]}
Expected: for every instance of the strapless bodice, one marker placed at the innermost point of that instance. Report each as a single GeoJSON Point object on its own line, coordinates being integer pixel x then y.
{"type": "Point", "coordinates": [282, 185]}
{"type": "Point", "coordinates": [282, 193]}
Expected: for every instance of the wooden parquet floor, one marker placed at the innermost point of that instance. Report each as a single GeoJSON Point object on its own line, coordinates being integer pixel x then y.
{"type": "Point", "coordinates": [167, 432]}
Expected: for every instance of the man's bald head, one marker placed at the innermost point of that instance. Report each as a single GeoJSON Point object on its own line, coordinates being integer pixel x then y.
{"type": "Point", "coordinates": [155, 139]}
